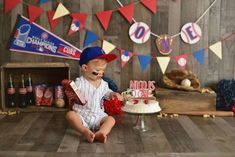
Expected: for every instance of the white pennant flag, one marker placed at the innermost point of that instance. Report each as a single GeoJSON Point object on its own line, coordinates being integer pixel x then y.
{"type": "Point", "coordinates": [217, 49]}
{"type": "Point", "coordinates": [60, 11]}
{"type": "Point", "coordinates": [107, 46]}
{"type": "Point", "coordinates": [163, 62]}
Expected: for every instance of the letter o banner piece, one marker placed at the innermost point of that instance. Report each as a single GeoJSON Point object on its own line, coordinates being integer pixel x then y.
{"type": "Point", "coordinates": [191, 33]}
{"type": "Point", "coordinates": [139, 32]}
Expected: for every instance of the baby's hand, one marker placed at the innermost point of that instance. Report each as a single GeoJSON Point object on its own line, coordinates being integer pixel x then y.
{"type": "Point", "coordinates": [114, 95]}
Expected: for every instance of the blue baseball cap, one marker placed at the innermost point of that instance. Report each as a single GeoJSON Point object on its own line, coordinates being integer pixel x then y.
{"type": "Point", "coordinates": [94, 53]}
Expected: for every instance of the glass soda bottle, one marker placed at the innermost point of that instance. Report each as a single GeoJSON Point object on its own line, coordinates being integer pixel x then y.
{"type": "Point", "coordinates": [11, 93]}
{"type": "Point", "coordinates": [22, 93]}
{"type": "Point", "coordinates": [29, 87]}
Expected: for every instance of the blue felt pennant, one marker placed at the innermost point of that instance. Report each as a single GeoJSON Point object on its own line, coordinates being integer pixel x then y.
{"type": "Point", "coordinates": [199, 55]}
{"type": "Point", "coordinates": [144, 61]}
{"type": "Point", "coordinates": [90, 38]}
{"type": "Point", "coordinates": [43, 1]}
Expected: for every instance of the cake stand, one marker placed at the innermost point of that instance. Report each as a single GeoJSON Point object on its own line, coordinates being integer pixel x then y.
{"type": "Point", "coordinates": [140, 122]}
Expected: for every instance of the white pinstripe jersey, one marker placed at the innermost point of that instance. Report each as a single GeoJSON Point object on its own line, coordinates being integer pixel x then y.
{"type": "Point", "coordinates": [93, 109]}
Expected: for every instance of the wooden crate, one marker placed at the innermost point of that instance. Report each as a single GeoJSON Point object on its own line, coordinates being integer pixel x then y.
{"type": "Point", "coordinates": [176, 101]}
{"type": "Point", "coordinates": [48, 73]}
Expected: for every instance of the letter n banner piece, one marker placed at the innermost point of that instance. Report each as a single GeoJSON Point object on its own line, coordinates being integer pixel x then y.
{"type": "Point", "coordinates": [32, 38]}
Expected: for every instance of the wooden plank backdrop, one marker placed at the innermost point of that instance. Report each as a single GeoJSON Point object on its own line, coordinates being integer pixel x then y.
{"type": "Point", "coordinates": [170, 17]}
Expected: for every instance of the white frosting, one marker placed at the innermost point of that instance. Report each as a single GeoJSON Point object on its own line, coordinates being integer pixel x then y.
{"type": "Point", "coordinates": [141, 107]}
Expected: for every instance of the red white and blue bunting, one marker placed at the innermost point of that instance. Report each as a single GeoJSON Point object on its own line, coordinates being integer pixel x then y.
{"type": "Point", "coordinates": [191, 35]}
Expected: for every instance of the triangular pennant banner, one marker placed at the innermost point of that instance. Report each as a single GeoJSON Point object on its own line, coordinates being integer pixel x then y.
{"type": "Point", "coordinates": [104, 18]}
{"type": "Point", "coordinates": [163, 63]}
{"type": "Point", "coordinates": [217, 49]}
{"type": "Point", "coordinates": [10, 4]}
{"type": "Point", "coordinates": [34, 12]}
{"type": "Point", "coordinates": [52, 22]}
{"type": "Point", "coordinates": [127, 11]}
{"type": "Point", "coordinates": [125, 57]}
{"type": "Point", "coordinates": [78, 22]}
{"type": "Point", "coordinates": [60, 11]}
{"type": "Point", "coordinates": [181, 60]}
{"type": "Point", "coordinates": [90, 38]}
{"type": "Point", "coordinates": [144, 61]}
{"type": "Point", "coordinates": [33, 39]}
{"type": "Point", "coordinates": [74, 27]}
{"type": "Point", "coordinates": [107, 46]}
{"type": "Point", "coordinates": [43, 1]}
{"type": "Point", "coordinates": [81, 17]}
{"type": "Point", "coordinates": [199, 55]}
{"type": "Point", "coordinates": [150, 4]}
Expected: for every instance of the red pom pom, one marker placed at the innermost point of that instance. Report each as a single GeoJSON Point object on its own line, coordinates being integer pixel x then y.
{"type": "Point", "coordinates": [233, 109]}
{"type": "Point", "coordinates": [113, 107]}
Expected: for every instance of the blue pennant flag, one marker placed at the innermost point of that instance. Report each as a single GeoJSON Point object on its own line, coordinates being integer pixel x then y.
{"type": "Point", "coordinates": [144, 61]}
{"type": "Point", "coordinates": [43, 1]}
{"type": "Point", "coordinates": [32, 38]}
{"type": "Point", "coordinates": [90, 38]}
{"type": "Point", "coordinates": [199, 55]}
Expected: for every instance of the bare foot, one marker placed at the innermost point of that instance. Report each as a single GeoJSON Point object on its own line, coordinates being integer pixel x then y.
{"type": "Point", "coordinates": [99, 136]}
{"type": "Point", "coordinates": [90, 136]}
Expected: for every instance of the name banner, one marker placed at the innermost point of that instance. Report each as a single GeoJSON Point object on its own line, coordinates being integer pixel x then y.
{"type": "Point", "coordinates": [32, 38]}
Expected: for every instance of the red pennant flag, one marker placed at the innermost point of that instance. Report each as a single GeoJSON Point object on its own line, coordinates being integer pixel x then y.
{"type": "Point", "coordinates": [125, 57]}
{"type": "Point", "coordinates": [150, 4]}
{"type": "Point", "coordinates": [52, 22]}
{"type": "Point", "coordinates": [81, 17]}
{"type": "Point", "coordinates": [127, 11]}
{"type": "Point", "coordinates": [75, 26]}
{"type": "Point", "coordinates": [78, 22]}
{"type": "Point", "coordinates": [104, 18]}
{"type": "Point", "coordinates": [10, 4]}
{"type": "Point", "coordinates": [182, 60]}
{"type": "Point", "coordinates": [34, 12]}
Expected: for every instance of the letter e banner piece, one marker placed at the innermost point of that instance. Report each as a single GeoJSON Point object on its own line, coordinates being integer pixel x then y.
{"type": "Point", "coordinates": [191, 33]}
{"type": "Point", "coordinates": [164, 44]}
{"type": "Point", "coordinates": [139, 32]}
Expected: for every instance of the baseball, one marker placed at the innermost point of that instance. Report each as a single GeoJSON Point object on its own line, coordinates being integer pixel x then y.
{"type": "Point", "coordinates": [125, 58]}
{"type": "Point", "coordinates": [191, 33]}
{"type": "Point", "coordinates": [59, 103]}
{"type": "Point", "coordinates": [186, 83]}
{"type": "Point", "coordinates": [182, 62]}
{"type": "Point", "coordinates": [139, 32]}
{"type": "Point", "coordinates": [75, 26]}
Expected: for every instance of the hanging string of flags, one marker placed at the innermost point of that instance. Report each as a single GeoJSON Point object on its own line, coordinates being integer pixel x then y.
{"type": "Point", "coordinates": [140, 32]}
{"type": "Point", "coordinates": [150, 5]}
{"type": "Point", "coordinates": [102, 16]}
{"type": "Point", "coordinates": [125, 55]}
{"type": "Point", "coordinates": [191, 34]}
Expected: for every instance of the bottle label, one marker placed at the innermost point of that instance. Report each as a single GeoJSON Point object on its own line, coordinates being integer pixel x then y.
{"type": "Point", "coordinates": [29, 89]}
{"type": "Point", "coordinates": [22, 90]}
{"type": "Point", "coordinates": [59, 92]}
{"type": "Point", "coordinates": [48, 93]}
{"type": "Point", "coordinates": [11, 91]}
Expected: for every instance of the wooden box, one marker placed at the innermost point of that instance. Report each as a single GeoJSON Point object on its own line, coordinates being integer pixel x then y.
{"type": "Point", "coordinates": [48, 73]}
{"type": "Point", "coordinates": [176, 101]}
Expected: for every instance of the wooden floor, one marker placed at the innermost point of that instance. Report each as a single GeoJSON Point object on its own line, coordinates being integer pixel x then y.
{"type": "Point", "coordinates": [47, 134]}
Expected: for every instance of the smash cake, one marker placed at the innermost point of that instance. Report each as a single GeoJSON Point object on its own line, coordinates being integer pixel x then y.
{"type": "Point", "coordinates": [138, 98]}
